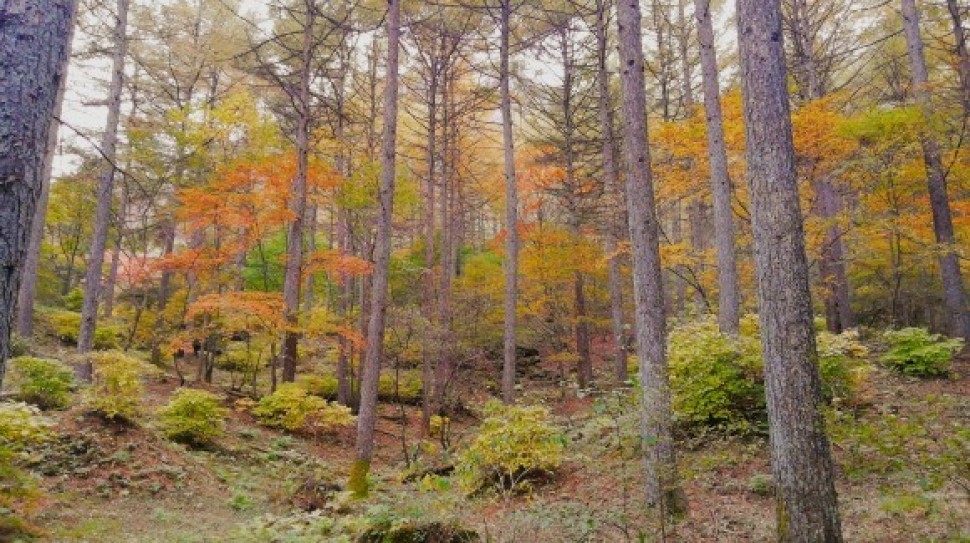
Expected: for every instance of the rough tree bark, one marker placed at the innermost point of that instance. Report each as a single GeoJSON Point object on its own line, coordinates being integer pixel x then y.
{"type": "Point", "coordinates": [727, 267]}
{"type": "Point", "coordinates": [511, 210]}
{"type": "Point", "coordinates": [663, 490]}
{"type": "Point", "coordinates": [801, 461]}
{"type": "Point", "coordinates": [102, 217]}
{"type": "Point", "coordinates": [958, 319]}
{"type": "Point", "coordinates": [34, 46]}
{"type": "Point", "coordinates": [293, 275]}
{"type": "Point", "coordinates": [27, 293]}
{"type": "Point", "coordinates": [367, 417]}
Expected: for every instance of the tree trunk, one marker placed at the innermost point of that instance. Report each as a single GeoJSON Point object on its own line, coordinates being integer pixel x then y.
{"type": "Point", "coordinates": [431, 346]}
{"type": "Point", "coordinates": [807, 505]}
{"type": "Point", "coordinates": [727, 267]}
{"type": "Point", "coordinates": [293, 275]}
{"type": "Point", "coordinates": [963, 56]}
{"type": "Point", "coordinates": [511, 211]}
{"type": "Point", "coordinates": [663, 490]}
{"type": "Point", "coordinates": [102, 217]}
{"type": "Point", "coordinates": [367, 418]}
{"type": "Point", "coordinates": [615, 220]}
{"type": "Point", "coordinates": [27, 293]}
{"type": "Point", "coordinates": [34, 47]}
{"type": "Point", "coordinates": [958, 320]}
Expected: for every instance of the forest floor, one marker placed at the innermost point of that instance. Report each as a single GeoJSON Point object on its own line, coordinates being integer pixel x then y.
{"type": "Point", "coordinates": [902, 475]}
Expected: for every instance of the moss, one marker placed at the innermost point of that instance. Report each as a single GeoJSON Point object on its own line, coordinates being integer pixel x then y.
{"type": "Point", "coordinates": [358, 478]}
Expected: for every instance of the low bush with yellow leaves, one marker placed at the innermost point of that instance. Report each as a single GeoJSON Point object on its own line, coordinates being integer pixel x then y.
{"type": "Point", "coordinates": [515, 445]}
{"type": "Point", "coordinates": [193, 417]}
{"type": "Point", "coordinates": [116, 388]}
{"type": "Point", "coordinates": [20, 426]}
{"type": "Point", "coordinates": [292, 408]}
{"type": "Point", "coordinates": [44, 383]}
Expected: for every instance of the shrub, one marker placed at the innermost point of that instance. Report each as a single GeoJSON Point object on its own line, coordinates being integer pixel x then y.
{"type": "Point", "coordinates": [44, 383]}
{"type": "Point", "coordinates": [20, 425]}
{"type": "Point", "coordinates": [916, 352]}
{"type": "Point", "coordinates": [407, 386]}
{"type": "Point", "coordinates": [292, 408]}
{"type": "Point", "coordinates": [843, 367]}
{"type": "Point", "coordinates": [116, 390]}
{"type": "Point", "coordinates": [514, 445]}
{"type": "Point", "coordinates": [715, 380]}
{"type": "Point", "coordinates": [66, 325]}
{"type": "Point", "coordinates": [19, 346]}
{"type": "Point", "coordinates": [194, 417]}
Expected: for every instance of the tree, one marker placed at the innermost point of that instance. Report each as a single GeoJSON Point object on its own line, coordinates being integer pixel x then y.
{"type": "Point", "coordinates": [367, 418]}
{"type": "Point", "coordinates": [663, 490]}
{"type": "Point", "coordinates": [34, 47]}
{"type": "Point", "coordinates": [727, 267]}
{"type": "Point", "coordinates": [27, 294]}
{"type": "Point", "coordinates": [511, 206]}
{"type": "Point", "coordinates": [102, 217]}
{"type": "Point", "coordinates": [801, 461]}
{"type": "Point", "coordinates": [954, 297]}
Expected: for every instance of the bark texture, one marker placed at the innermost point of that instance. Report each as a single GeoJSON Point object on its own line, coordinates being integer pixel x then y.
{"type": "Point", "coordinates": [102, 216]}
{"type": "Point", "coordinates": [367, 417]}
{"type": "Point", "coordinates": [727, 267]}
{"type": "Point", "coordinates": [963, 55]}
{"type": "Point", "coordinates": [34, 46]}
{"type": "Point", "coordinates": [663, 490]}
{"type": "Point", "coordinates": [958, 320]}
{"type": "Point", "coordinates": [801, 461]}
{"type": "Point", "coordinates": [27, 293]}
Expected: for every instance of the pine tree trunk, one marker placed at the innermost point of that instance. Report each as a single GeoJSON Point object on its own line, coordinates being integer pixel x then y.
{"type": "Point", "coordinates": [615, 223]}
{"type": "Point", "coordinates": [293, 275]}
{"type": "Point", "coordinates": [34, 48]}
{"type": "Point", "coordinates": [102, 217]}
{"type": "Point", "coordinates": [727, 268]}
{"type": "Point", "coordinates": [511, 212]}
{"type": "Point", "coordinates": [663, 490]}
{"type": "Point", "coordinates": [27, 293]}
{"type": "Point", "coordinates": [801, 461]}
{"type": "Point", "coordinates": [958, 319]}
{"type": "Point", "coordinates": [367, 418]}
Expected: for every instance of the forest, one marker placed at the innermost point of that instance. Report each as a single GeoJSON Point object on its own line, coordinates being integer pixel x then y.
{"type": "Point", "coordinates": [445, 271]}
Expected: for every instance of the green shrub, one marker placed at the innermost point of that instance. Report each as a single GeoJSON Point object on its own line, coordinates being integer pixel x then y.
{"type": "Point", "coordinates": [19, 346]}
{"type": "Point", "coordinates": [66, 325]}
{"type": "Point", "coordinates": [116, 390]}
{"type": "Point", "coordinates": [916, 352]}
{"type": "Point", "coordinates": [843, 366]}
{"type": "Point", "coordinates": [407, 386]}
{"type": "Point", "coordinates": [715, 380]}
{"type": "Point", "coordinates": [44, 383]}
{"type": "Point", "coordinates": [514, 445]}
{"type": "Point", "coordinates": [292, 408]}
{"type": "Point", "coordinates": [194, 417]}
{"type": "Point", "coordinates": [20, 426]}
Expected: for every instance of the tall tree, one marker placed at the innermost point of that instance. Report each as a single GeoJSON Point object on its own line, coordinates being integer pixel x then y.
{"type": "Point", "coordinates": [27, 293]}
{"type": "Point", "coordinates": [367, 417]}
{"type": "Point", "coordinates": [102, 217]}
{"type": "Point", "coordinates": [511, 206]}
{"type": "Point", "coordinates": [663, 490]}
{"type": "Point", "coordinates": [34, 47]}
{"type": "Point", "coordinates": [954, 297]}
{"type": "Point", "coordinates": [801, 461]}
{"type": "Point", "coordinates": [727, 266]}
{"type": "Point", "coordinates": [616, 217]}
